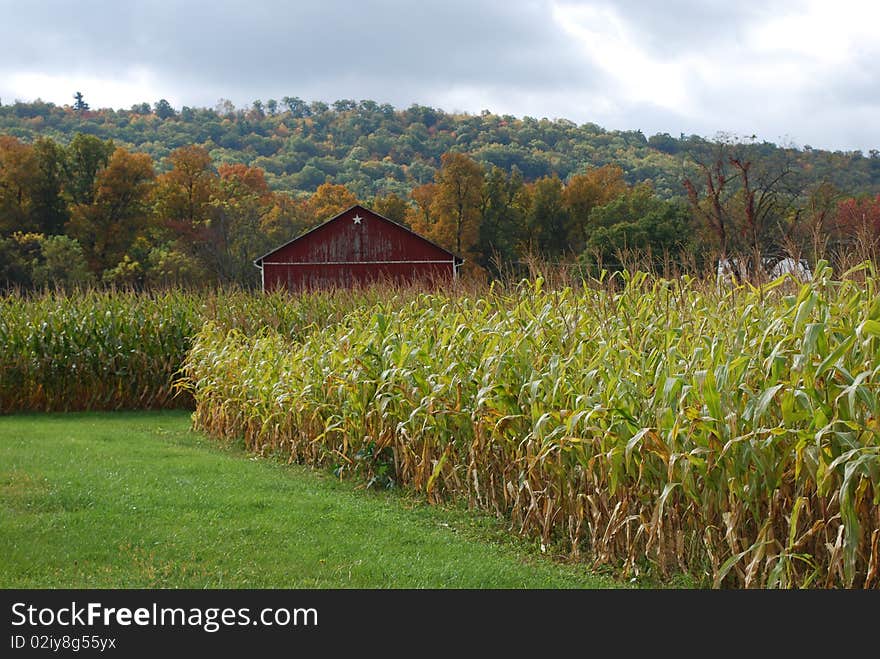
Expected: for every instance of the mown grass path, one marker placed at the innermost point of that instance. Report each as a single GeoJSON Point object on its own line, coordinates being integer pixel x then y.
{"type": "Point", "coordinates": [137, 500]}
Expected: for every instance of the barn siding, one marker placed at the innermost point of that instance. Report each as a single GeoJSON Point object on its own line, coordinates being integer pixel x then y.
{"type": "Point", "coordinates": [296, 277]}
{"type": "Point", "coordinates": [342, 253]}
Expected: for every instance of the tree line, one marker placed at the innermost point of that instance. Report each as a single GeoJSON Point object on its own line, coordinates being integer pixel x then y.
{"type": "Point", "coordinates": [375, 149]}
{"type": "Point", "coordinates": [93, 212]}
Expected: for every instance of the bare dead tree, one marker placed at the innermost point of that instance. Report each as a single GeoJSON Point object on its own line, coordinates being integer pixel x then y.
{"type": "Point", "coordinates": [743, 198]}
{"type": "Point", "coordinates": [713, 212]}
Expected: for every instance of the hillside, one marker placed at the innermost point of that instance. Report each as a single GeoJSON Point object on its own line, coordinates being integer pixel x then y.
{"type": "Point", "coordinates": [153, 196]}
{"type": "Point", "coordinates": [377, 149]}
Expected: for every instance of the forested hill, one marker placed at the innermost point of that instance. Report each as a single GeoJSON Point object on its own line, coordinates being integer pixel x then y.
{"type": "Point", "coordinates": [376, 149]}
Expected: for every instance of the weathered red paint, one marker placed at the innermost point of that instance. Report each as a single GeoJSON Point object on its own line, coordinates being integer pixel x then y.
{"type": "Point", "coordinates": [343, 253]}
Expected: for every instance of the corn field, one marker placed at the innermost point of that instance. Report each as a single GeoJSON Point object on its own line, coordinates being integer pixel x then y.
{"type": "Point", "coordinates": [100, 350]}
{"type": "Point", "coordinates": [652, 425]}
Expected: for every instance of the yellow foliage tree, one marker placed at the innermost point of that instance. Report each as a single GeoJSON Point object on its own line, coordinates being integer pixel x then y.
{"type": "Point", "coordinates": [183, 195]}
{"type": "Point", "coordinates": [456, 204]}
{"type": "Point", "coordinates": [330, 199]}
{"type": "Point", "coordinates": [419, 217]}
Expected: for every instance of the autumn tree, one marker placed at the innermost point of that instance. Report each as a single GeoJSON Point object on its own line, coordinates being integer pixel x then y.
{"type": "Point", "coordinates": [857, 222]}
{"type": "Point", "coordinates": [587, 191]}
{"type": "Point", "coordinates": [708, 193]}
{"type": "Point", "coordinates": [31, 182]}
{"type": "Point", "coordinates": [819, 206]}
{"type": "Point", "coordinates": [119, 212]}
{"type": "Point", "coordinates": [811, 223]}
{"type": "Point", "coordinates": [242, 201]}
{"type": "Point", "coordinates": [456, 204]}
{"type": "Point", "coordinates": [329, 200]}
{"type": "Point", "coordinates": [19, 171]}
{"type": "Point", "coordinates": [184, 208]}
{"type": "Point", "coordinates": [743, 196]}
{"type": "Point", "coordinates": [285, 218]}
{"type": "Point", "coordinates": [766, 193]}
{"type": "Point", "coordinates": [183, 195]}
{"type": "Point", "coordinates": [420, 216]}
{"type": "Point", "coordinates": [393, 207]}
{"type": "Point", "coordinates": [220, 221]}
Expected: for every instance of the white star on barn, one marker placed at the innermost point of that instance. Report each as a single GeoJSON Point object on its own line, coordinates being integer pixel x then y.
{"type": "Point", "coordinates": [357, 219]}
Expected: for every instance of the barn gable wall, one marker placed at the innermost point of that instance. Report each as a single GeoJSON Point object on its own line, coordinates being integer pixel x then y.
{"type": "Point", "coordinates": [345, 253]}
{"type": "Point", "coordinates": [343, 241]}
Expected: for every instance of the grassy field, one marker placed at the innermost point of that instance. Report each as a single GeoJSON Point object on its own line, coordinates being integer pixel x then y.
{"type": "Point", "coordinates": [136, 500]}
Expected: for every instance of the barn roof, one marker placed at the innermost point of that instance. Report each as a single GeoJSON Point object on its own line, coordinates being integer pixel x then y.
{"type": "Point", "coordinates": [258, 261]}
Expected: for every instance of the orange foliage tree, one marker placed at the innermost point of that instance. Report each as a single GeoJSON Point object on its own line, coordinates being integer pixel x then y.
{"type": "Point", "coordinates": [120, 212]}
{"type": "Point", "coordinates": [587, 191]}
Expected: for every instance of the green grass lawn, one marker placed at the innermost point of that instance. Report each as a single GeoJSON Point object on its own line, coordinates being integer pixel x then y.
{"type": "Point", "coordinates": [136, 500]}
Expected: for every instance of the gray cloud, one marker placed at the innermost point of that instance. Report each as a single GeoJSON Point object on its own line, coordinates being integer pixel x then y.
{"type": "Point", "coordinates": [674, 26]}
{"type": "Point", "coordinates": [456, 54]}
{"type": "Point", "coordinates": [252, 49]}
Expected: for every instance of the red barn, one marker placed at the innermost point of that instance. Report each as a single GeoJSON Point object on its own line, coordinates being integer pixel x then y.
{"type": "Point", "coordinates": [355, 247]}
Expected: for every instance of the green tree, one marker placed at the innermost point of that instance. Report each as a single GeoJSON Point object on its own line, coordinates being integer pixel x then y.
{"type": "Point", "coordinates": [79, 103]}
{"type": "Point", "coordinates": [86, 156]}
{"type": "Point", "coordinates": [18, 253]}
{"type": "Point", "coordinates": [49, 207]}
{"type": "Point", "coordinates": [296, 106]}
{"type": "Point", "coordinates": [163, 109]}
{"type": "Point", "coordinates": [62, 263]}
{"type": "Point", "coordinates": [502, 214]}
{"type": "Point", "coordinates": [547, 220]}
{"type": "Point", "coordinates": [167, 267]}
{"type": "Point", "coordinates": [638, 220]}
{"type": "Point", "coordinates": [128, 273]}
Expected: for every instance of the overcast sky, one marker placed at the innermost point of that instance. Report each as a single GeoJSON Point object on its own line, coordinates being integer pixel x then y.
{"type": "Point", "coordinates": [797, 72]}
